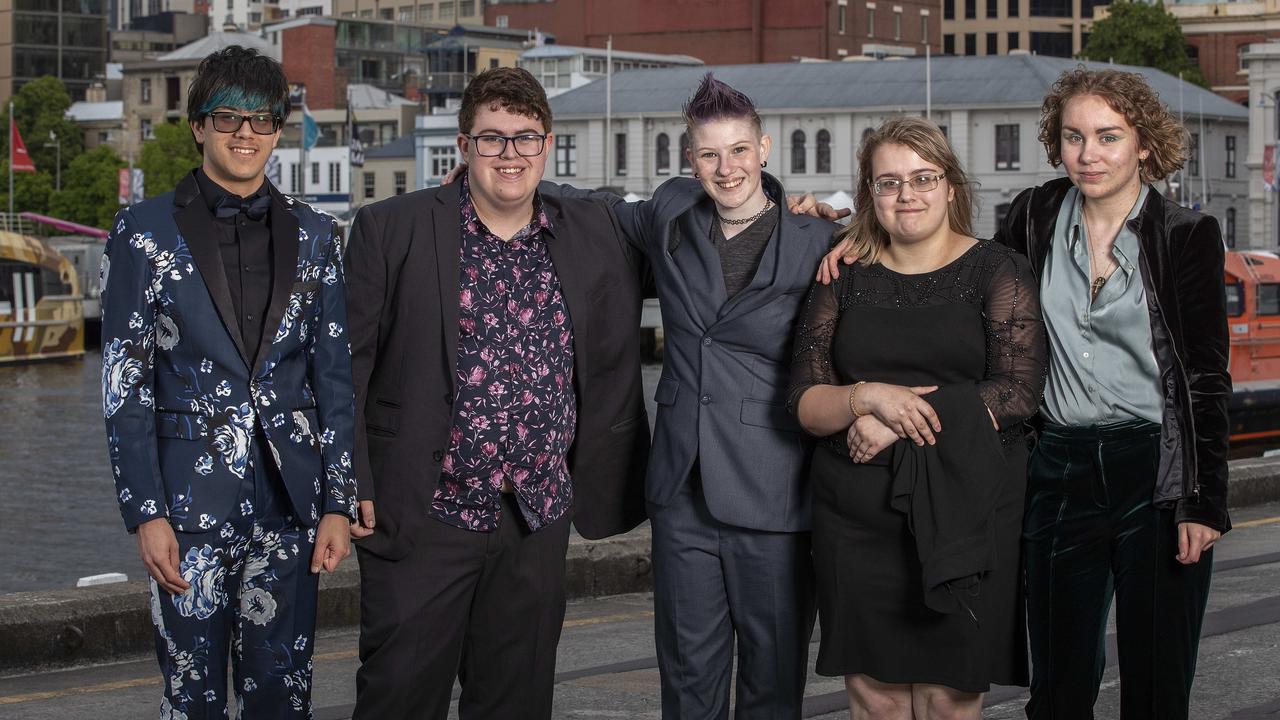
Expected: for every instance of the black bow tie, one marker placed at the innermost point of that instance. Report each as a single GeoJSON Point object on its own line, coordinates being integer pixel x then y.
{"type": "Point", "coordinates": [229, 205]}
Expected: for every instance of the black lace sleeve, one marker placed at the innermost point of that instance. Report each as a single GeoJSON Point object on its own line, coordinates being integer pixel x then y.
{"type": "Point", "coordinates": [811, 354]}
{"type": "Point", "coordinates": [1017, 351]}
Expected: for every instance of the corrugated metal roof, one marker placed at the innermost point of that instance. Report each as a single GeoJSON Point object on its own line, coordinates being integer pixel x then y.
{"type": "Point", "coordinates": [364, 96]}
{"type": "Point", "coordinates": [214, 42]}
{"type": "Point", "coordinates": [401, 147]}
{"type": "Point", "coordinates": [559, 51]}
{"type": "Point", "coordinates": [84, 111]}
{"type": "Point", "coordinates": [958, 82]}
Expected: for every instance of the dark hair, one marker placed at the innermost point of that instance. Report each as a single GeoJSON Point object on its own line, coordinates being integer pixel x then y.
{"type": "Point", "coordinates": [715, 100]}
{"type": "Point", "coordinates": [1159, 132]}
{"type": "Point", "coordinates": [238, 77]}
{"type": "Point", "coordinates": [512, 89]}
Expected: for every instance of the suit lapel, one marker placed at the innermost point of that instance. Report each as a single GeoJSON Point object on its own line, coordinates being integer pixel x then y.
{"type": "Point", "coordinates": [699, 262]}
{"type": "Point", "coordinates": [447, 222]}
{"type": "Point", "coordinates": [562, 246]}
{"type": "Point", "coordinates": [284, 264]}
{"type": "Point", "coordinates": [779, 263]}
{"type": "Point", "coordinates": [196, 225]}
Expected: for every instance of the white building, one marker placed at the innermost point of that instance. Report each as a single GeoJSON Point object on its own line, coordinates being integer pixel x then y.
{"type": "Point", "coordinates": [327, 179]}
{"type": "Point", "coordinates": [816, 114]}
{"type": "Point", "coordinates": [563, 67]}
{"type": "Point", "coordinates": [435, 148]}
{"type": "Point", "coordinates": [1263, 63]}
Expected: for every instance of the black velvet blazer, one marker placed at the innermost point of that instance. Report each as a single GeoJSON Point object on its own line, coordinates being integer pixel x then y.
{"type": "Point", "coordinates": [1181, 262]}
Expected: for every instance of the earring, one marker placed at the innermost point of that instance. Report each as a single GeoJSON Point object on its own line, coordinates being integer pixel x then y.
{"type": "Point", "coordinates": [697, 175]}
{"type": "Point", "coordinates": [764, 164]}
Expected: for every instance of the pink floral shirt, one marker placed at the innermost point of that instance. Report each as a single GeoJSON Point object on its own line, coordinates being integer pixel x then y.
{"type": "Point", "coordinates": [515, 412]}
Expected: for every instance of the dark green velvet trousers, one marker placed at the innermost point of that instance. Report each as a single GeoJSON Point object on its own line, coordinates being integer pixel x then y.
{"type": "Point", "coordinates": [1091, 533]}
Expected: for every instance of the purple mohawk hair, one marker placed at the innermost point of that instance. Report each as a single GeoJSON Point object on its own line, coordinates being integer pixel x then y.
{"type": "Point", "coordinates": [715, 100]}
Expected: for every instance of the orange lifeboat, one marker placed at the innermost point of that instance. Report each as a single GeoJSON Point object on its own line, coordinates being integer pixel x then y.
{"type": "Point", "coordinates": [1253, 317]}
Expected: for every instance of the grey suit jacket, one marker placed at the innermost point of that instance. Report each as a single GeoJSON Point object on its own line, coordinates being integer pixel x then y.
{"type": "Point", "coordinates": [726, 363]}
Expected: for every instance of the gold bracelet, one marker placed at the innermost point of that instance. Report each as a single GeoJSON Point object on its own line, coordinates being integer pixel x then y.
{"type": "Point", "coordinates": [853, 391]}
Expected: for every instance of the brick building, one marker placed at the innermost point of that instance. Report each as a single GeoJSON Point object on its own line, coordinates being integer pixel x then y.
{"type": "Point", "coordinates": [1219, 34]}
{"type": "Point", "coordinates": [732, 31]}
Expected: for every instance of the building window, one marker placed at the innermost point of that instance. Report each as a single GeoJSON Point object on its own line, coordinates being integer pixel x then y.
{"type": "Point", "coordinates": [387, 13]}
{"type": "Point", "coordinates": [871, 20]}
{"type": "Point", "coordinates": [402, 181]}
{"type": "Point", "coordinates": [1231, 156]}
{"type": "Point", "coordinates": [466, 8]}
{"type": "Point", "coordinates": [1053, 44]}
{"type": "Point", "coordinates": [335, 177]}
{"type": "Point", "coordinates": [1014, 9]}
{"type": "Point", "coordinates": [370, 183]}
{"type": "Point", "coordinates": [993, 44]}
{"type": "Point", "coordinates": [293, 178]}
{"type": "Point", "coordinates": [315, 174]}
{"type": "Point", "coordinates": [993, 9]}
{"type": "Point", "coordinates": [970, 9]}
{"type": "Point", "coordinates": [566, 155]}
{"type": "Point", "coordinates": [146, 91]}
{"type": "Point", "coordinates": [406, 14]}
{"type": "Point", "coordinates": [1230, 230]}
{"type": "Point", "coordinates": [797, 152]}
{"type": "Point", "coordinates": [425, 13]}
{"type": "Point", "coordinates": [620, 154]}
{"type": "Point", "coordinates": [948, 9]}
{"type": "Point", "coordinates": [662, 154]}
{"type": "Point", "coordinates": [446, 12]}
{"type": "Point", "coordinates": [1014, 37]}
{"type": "Point", "coordinates": [685, 167]}
{"type": "Point", "coordinates": [493, 63]}
{"type": "Point", "coordinates": [823, 164]}
{"type": "Point", "coordinates": [948, 44]}
{"type": "Point", "coordinates": [502, 21]}
{"type": "Point", "coordinates": [443, 159]}
{"type": "Point", "coordinates": [1193, 155]}
{"type": "Point", "coordinates": [971, 44]}
{"type": "Point", "coordinates": [1007, 155]}
{"type": "Point", "coordinates": [840, 19]}
{"type": "Point", "coordinates": [147, 134]}
{"type": "Point", "coordinates": [897, 23]}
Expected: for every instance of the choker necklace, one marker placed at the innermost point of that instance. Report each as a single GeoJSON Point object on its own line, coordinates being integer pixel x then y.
{"type": "Point", "coordinates": [768, 205]}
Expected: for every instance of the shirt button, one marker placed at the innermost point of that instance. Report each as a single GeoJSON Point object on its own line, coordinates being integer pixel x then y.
{"type": "Point", "coordinates": [1084, 355]}
{"type": "Point", "coordinates": [437, 455]}
{"type": "Point", "coordinates": [706, 341]}
{"type": "Point", "coordinates": [247, 268]}
{"type": "Point", "coordinates": [250, 317]}
{"type": "Point", "coordinates": [705, 400]}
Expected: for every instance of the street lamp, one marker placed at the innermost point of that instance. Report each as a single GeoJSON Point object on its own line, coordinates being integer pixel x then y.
{"type": "Point", "coordinates": [57, 148]}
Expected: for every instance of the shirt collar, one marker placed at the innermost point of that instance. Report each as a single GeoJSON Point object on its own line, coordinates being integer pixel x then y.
{"type": "Point", "coordinates": [539, 222]}
{"type": "Point", "coordinates": [211, 191]}
{"type": "Point", "coordinates": [1126, 244]}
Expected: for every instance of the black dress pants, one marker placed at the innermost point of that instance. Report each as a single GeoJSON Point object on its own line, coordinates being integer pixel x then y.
{"type": "Point", "coordinates": [1091, 531]}
{"type": "Point", "coordinates": [482, 607]}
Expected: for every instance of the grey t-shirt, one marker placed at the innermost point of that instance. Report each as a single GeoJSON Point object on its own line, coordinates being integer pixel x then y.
{"type": "Point", "coordinates": [740, 255]}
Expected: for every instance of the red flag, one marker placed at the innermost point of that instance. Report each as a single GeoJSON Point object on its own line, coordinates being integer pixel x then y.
{"type": "Point", "coordinates": [19, 160]}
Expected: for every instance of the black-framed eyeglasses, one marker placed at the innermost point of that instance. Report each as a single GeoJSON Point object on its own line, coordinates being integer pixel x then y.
{"type": "Point", "coordinates": [918, 183]}
{"type": "Point", "coordinates": [260, 123]}
{"type": "Point", "coordinates": [527, 145]}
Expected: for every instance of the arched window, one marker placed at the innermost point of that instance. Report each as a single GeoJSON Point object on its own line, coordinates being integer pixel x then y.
{"type": "Point", "coordinates": [824, 152]}
{"type": "Point", "coordinates": [797, 152]}
{"type": "Point", "coordinates": [685, 168]}
{"type": "Point", "coordinates": [662, 154]}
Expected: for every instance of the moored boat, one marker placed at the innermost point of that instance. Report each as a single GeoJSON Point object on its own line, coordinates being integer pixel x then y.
{"type": "Point", "coordinates": [41, 307]}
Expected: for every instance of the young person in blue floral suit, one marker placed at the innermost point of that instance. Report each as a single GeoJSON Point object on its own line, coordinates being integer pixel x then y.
{"type": "Point", "coordinates": [227, 391]}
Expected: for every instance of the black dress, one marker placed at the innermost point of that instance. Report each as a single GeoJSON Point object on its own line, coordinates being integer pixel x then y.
{"type": "Point", "coordinates": [976, 321]}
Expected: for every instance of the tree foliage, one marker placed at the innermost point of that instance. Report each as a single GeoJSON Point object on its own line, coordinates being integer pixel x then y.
{"type": "Point", "coordinates": [167, 157]}
{"type": "Point", "coordinates": [40, 107]}
{"type": "Point", "coordinates": [91, 188]}
{"type": "Point", "coordinates": [1136, 33]}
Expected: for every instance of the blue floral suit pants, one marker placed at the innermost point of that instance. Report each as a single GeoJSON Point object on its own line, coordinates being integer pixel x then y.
{"type": "Point", "coordinates": [252, 602]}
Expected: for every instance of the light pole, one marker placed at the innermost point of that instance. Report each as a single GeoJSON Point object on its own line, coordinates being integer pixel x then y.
{"type": "Point", "coordinates": [57, 150]}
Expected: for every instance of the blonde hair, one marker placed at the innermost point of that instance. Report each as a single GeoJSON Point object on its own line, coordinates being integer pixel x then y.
{"type": "Point", "coordinates": [928, 141]}
{"type": "Point", "coordinates": [1159, 132]}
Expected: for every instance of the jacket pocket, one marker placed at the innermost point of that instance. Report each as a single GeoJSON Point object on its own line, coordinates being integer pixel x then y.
{"type": "Point", "coordinates": [666, 392]}
{"type": "Point", "coordinates": [626, 424]}
{"type": "Point", "coordinates": [768, 415]}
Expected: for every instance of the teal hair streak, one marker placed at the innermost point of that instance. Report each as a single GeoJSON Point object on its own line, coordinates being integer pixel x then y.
{"type": "Point", "coordinates": [242, 99]}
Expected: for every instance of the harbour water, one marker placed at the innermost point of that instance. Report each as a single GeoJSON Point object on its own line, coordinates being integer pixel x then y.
{"type": "Point", "coordinates": [60, 520]}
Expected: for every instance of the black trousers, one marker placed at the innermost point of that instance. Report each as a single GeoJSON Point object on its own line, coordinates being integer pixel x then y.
{"type": "Point", "coordinates": [484, 608]}
{"type": "Point", "coordinates": [1091, 532]}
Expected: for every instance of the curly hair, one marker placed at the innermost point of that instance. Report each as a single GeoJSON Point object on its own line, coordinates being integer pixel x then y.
{"type": "Point", "coordinates": [928, 141]}
{"type": "Point", "coordinates": [1159, 132]}
{"type": "Point", "coordinates": [512, 89]}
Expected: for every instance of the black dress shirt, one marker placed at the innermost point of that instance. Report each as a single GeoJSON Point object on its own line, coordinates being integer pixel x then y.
{"type": "Point", "coordinates": [245, 244]}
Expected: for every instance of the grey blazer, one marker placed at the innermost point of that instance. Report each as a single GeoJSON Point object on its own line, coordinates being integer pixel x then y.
{"type": "Point", "coordinates": [726, 363]}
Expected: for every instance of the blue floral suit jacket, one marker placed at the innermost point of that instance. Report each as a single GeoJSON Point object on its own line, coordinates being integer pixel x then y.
{"type": "Point", "coordinates": [180, 397]}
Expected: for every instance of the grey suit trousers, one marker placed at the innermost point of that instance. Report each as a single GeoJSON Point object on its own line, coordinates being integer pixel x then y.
{"type": "Point", "coordinates": [714, 583]}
